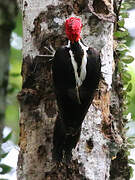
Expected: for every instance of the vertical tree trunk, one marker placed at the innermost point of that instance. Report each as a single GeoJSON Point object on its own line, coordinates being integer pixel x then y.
{"type": "Point", "coordinates": [43, 25]}
{"type": "Point", "coordinates": [8, 11]}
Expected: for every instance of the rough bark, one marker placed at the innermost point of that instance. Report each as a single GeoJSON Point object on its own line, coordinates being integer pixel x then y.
{"type": "Point", "coordinates": [8, 11]}
{"type": "Point", "coordinates": [43, 25]}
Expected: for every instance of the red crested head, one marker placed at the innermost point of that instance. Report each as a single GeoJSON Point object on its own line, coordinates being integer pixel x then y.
{"type": "Point", "coordinates": [73, 28]}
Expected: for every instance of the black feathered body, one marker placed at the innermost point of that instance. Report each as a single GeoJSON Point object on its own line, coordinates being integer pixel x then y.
{"type": "Point", "coordinates": [73, 99]}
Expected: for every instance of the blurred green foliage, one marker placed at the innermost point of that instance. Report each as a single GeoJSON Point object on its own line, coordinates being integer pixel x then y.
{"type": "Point", "coordinates": [126, 60]}
{"type": "Point", "coordinates": [14, 86]}
{"type": "Point", "coordinates": [131, 105]}
{"type": "Point", "coordinates": [18, 28]}
{"type": "Point", "coordinates": [131, 3]}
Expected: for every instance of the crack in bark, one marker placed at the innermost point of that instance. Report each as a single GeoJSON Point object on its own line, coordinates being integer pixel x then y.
{"type": "Point", "coordinates": [102, 9]}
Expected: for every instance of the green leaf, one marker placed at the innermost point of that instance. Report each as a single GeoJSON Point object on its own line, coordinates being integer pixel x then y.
{"type": "Point", "coordinates": [131, 161]}
{"type": "Point", "coordinates": [131, 139]}
{"type": "Point", "coordinates": [129, 88]}
{"type": "Point", "coordinates": [121, 23]}
{"type": "Point", "coordinates": [128, 101]}
{"type": "Point", "coordinates": [124, 14]}
{"type": "Point", "coordinates": [121, 34]}
{"type": "Point", "coordinates": [126, 76]}
{"type": "Point", "coordinates": [123, 29]}
{"type": "Point", "coordinates": [128, 96]}
{"type": "Point", "coordinates": [125, 83]}
{"type": "Point", "coordinates": [127, 153]}
{"type": "Point", "coordinates": [120, 66]}
{"type": "Point", "coordinates": [128, 59]}
{"type": "Point", "coordinates": [131, 170]}
{"type": "Point", "coordinates": [130, 146]}
{"type": "Point", "coordinates": [7, 137]}
{"type": "Point", "coordinates": [125, 6]}
{"type": "Point", "coordinates": [122, 47]}
{"type": "Point", "coordinates": [5, 168]}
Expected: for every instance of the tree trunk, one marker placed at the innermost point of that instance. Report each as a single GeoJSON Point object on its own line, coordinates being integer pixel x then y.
{"type": "Point", "coordinates": [43, 25]}
{"type": "Point", "coordinates": [8, 11]}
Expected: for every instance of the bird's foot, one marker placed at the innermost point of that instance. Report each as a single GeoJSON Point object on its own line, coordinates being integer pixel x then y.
{"type": "Point", "coordinates": [51, 51]}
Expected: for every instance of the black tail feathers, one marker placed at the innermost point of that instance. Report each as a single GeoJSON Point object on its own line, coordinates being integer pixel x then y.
{"type": "Point", "coordinates": [64, 140]}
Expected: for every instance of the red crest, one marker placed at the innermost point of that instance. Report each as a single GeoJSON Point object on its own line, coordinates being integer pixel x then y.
{"type": "Point", "coordinates": [73, 28]}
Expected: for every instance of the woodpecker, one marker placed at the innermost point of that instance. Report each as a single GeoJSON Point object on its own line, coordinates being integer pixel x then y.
{"type": "Point", "coordinates": [76, 74]}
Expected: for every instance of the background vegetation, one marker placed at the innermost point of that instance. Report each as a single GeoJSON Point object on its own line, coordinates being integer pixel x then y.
{"type": "Point", "coordinates": [15, 80]}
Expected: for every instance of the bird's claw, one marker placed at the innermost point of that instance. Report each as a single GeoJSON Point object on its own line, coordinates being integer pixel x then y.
{"type": "Point", "coordinates": [51, 50]}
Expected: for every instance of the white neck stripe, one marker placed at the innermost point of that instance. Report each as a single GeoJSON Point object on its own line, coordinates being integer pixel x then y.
{"type": "Point", "coordinates": [81, 78]}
